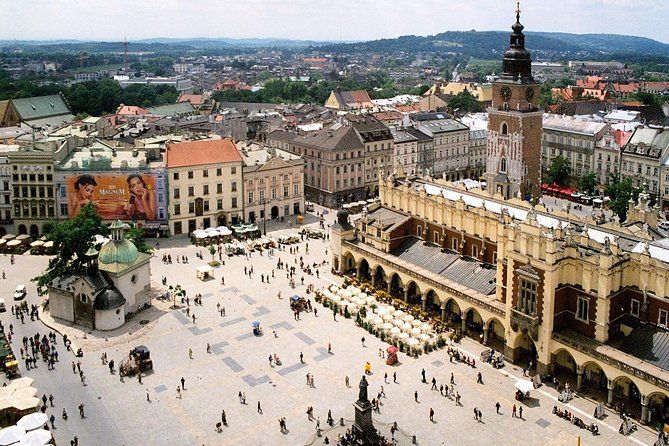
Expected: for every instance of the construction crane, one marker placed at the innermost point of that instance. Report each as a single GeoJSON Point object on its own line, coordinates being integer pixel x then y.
{"type": "Point", "coordinates": [82, 57]}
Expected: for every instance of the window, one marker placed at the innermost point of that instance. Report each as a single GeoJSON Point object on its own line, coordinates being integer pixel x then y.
{"type": "Point", "coordinates": [250, 198]}
{"type": "Point", "coordinates": [219, 172]}
{"type": "Point", "coordinates": [177, 209]}
{"type": "Point", "coordinates": [261, 195]}
{"type": "Point", "coordinates": [205, 173]}
{"type": "Point", "coordinates": [234, 202]}
{"type": "Point", "coordinates": [436, 237]}
{"type": "Point", "coordinates": [662, 318]}
{"type": "Point", "coordinates": [190, 175]}
{"type": "Point", "coordinates": [176, 193]}
{"type": "Point", "coordinates": [502, 167]}
{"type": "Point", "coordinates": [219, 204]}
{"type": "Point", "coordinates": [454, 244]}
{"type": "Point", "coordinates": [475, 251]}
{"type": "Point", "coordinates": [219, 188]}
{"type": "Point", "coordinates": [205, 204]}
{"type": "Point", "coordinates": [296, 189]}
{"type": "Point", "coordinates": [191, 191]}
{"type": "Point", "coordinates": [636, 305]}
{"type": "Point", "coordinates": [528, 297]}
{"type": "Point", "coordinates": [234, 186]}
{"type": "Point", "coordinates": [133, 279]}
{"type": "Point", "coordinates": [233, 170]}
{"type": "Point", "coordinates": [505, 129]}
{"type": "Point", "coordinates": [177, 227]}
{"type": "Point", "coordinates": [419, 231]}
{"type": "Point", "coordinates": [285, 191]}
{"type": "Point", "coordinates": [273, 193]}
{"type": "Point", "coordinates": [191, 207]}
{"type": "Point", "coordinates": [176, 175]}
{"type": "Point", "coordinates": [582, 309]}
{"type": "Point", "coordinates": [205, 189]}
{"type": "Point", "coordinates": [494, 257]}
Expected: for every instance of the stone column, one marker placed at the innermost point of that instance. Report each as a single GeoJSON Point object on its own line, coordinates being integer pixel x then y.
{"type": "Point", "coordinates": [463, 322]}
{"type": "Point", "coordinates": [389, 282]}
{"type": "Point", "coordinates": [610, 387]}
{"type": "Point", "coordinates": [406, 293]}
{"type": "Point", "coordinates": [579, 378]}
{"type": "Point", "coordinates": [373, 276]}
{"type": "Point", "coordinates": [485, 333]}
{"type": "Point", "coordinates": [358, 267]}
{"type": "Point", "coordinates": [443, 311]}
{"type": "Point", "coordinates": [423, 300]}
{"type": "Point", "coordinates": [645, 413]}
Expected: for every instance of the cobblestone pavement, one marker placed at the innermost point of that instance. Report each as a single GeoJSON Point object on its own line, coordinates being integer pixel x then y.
{"type": "Point", "coordinates": [117, 413]}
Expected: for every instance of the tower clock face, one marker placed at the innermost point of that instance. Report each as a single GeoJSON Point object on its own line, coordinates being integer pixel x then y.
{"type": "Point", "coordinates": [505, 93]}
{"type": "Point", "coordinates": [529, 94]}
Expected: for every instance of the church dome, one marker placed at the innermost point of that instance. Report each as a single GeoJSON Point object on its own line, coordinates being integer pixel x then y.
{"type": "Point", "coordinates": [109, 299]}
{"type": "Point", "coordinates": [517, 62]}
{"type": "Point", "coordinates": [118, 251]}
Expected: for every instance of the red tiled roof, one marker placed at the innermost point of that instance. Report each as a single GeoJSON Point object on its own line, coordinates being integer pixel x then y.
{"type": "Point", "coordinates": [194, 153]}
{"type": "Point", "coordinates": [626, 88]}
{"type": "Point", "coordinates": [230, 82]}
{"type": "Point", "coordinates": [407, 108]}
{"type": "Point", "coordinates": [621, 137]}
{"type": "Point", "coordinates": [195, 99]}
{"type": "Point", "coordinates": [387, 115]}
{"type": "Point", "coordinates": [133, 110]}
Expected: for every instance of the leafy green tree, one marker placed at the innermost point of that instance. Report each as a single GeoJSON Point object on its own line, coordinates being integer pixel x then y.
{"type": "Point", "coordinates": [465, 102]}
{"type": "Point", "coordinates": [136, 236]}
{"type": "Point", "coordinates": [72, 238]}
{"type": "Point", "coordinates": [559, 171]}
{"type": "Point", "coordinates": [588, 182]}
{"type": "Point", "coordinates": [620, 192]}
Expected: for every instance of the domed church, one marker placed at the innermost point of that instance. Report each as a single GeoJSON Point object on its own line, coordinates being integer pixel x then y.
{"type": "Point", "coordinates": [117, 282]}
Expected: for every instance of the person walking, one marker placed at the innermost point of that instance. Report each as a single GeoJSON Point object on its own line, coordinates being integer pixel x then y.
{"type": "Point", "coordinates": [422, 376]}
{"type": "Point", "coordinates": [224, 418]}
{"type": "Point", "coordinates": [452, 379]}
{"type": "Point", "coordinates": [415, 395]}
{"type": "Point", "coordinates": [497, 406]}
{"type": "Point", "coordinates": [431, 414]}
{"type": "Point", "coordinates": [434, 383]}
{"type": "Point", "coordinates": [179, 392]}
{"type": "Point", "coordinates": [479, 378]}
{"type": "Point", "coordinates": [301, 358]}
{"type": "Point", "coordinates": [208, 348]}
{"type": "Point", "coordinates": [363, 341]}
{"type": "Point", "coordinates": [347, 382]}
{"type": "Point", "coordinates": [476, 413]}
{"type": "Point", "coordinates": [394, 377]}
{"type": "Point", "coordinates": [183, 383]}
{"type": "Point", "coordinates": [190, 353]}
{"type": "Point", "coordinates": [480, 416]}
{"type": "Point", "coordinates": [148, 397]}
{"type": "Point", "coordinates": [259, 408]}
{"type": "Point", "coordinates": [513, 412]}
{"type": "Point", "coordinates": [385, 377]}
{"type": "Point", "coordinates": [520, 412]}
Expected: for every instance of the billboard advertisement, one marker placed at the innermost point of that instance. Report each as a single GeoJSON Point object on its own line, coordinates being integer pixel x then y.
{"type": "Point", "coordinates": [138, 196]}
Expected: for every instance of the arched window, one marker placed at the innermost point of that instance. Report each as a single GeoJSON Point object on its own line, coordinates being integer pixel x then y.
{"type": "Point", "coordinates": [505, 129]}
{"type": "Point", "coordinates": [502, 167]}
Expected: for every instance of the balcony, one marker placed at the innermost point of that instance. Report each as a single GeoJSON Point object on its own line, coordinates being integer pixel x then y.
{"type": "Point", "coordinates": [525, 323]}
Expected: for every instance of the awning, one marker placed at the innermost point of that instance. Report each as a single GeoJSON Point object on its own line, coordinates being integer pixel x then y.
{"type": "Point", "coordinates": [204, 269]}
{"type": "Point", "coordinates": [524, 385]}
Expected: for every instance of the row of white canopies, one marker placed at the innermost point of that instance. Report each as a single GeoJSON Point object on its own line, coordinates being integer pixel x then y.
{"type": "Point", "coordinates": [396, 323]}
{"type": "Point", "coordinates": [30, 430]}
{"type": "Point", "coordinates": [221, 231]}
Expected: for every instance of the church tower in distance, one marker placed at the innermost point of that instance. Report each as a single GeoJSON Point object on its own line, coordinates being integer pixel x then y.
{"type": "Point", "coordinates": [513, 165]}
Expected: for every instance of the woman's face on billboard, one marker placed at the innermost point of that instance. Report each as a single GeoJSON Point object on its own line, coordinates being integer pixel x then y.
{"type": "Point", "coordinates": [86, 191]}
{"type": "Point", "coordinates": [137, 186]}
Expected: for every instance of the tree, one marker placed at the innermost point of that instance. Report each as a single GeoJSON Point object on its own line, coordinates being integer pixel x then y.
{"type": "Point", "coordinates": [559, 171]}
{"type": "Point", "coordinates": [136, 236]}
{"type": "Point", "coordinates": [620, 192]}
{"type": "Point", "coordinates": [464, 102]}
{"type": "Point", "coordinates": [588, 182]}
{"type": "Point", "coordinates": [212, 251]}
{"type": "Point", "coordinates": [72, 238]}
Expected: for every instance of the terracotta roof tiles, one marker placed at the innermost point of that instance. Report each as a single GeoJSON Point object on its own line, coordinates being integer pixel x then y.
{"type": "Point", "coordinates": [194, 153]}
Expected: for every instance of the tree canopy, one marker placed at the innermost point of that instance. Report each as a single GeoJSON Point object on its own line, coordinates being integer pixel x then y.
{"type": "Point", "coordinates": [620, 192]}
{"type": "Point", "coordinates": [465, 102]}
{"type": "Point", "coordinates": [559, 171]}
{"type": "Point", "coordinates": [588, 182]}
{"type": "Point", "coordinates": [72, 238]}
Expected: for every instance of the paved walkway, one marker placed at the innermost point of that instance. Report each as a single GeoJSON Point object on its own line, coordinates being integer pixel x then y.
{"type": "Point", "coordinates": [118, 412]}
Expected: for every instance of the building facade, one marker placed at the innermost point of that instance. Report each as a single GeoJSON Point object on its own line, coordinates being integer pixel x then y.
{"type": "Point", "coordinates": [451, 145]}
{"type": "Point", "coordinates": [642, 157]}
{"type": "Point", "coordinates": [378, 143]}
{"type": "Point", "coordinates": [204, 184]}
{"type": "Point", "coordinates": [406, 150]}
{"type": "Point", "coordinates": [273, 183]}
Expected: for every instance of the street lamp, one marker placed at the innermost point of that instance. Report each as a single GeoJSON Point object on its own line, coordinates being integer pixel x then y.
{"type": "Point", "coordinates": [264, 213]}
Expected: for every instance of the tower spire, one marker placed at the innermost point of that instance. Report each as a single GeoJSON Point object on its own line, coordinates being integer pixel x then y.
{"type": "Point", "coordinates": [518, 11]}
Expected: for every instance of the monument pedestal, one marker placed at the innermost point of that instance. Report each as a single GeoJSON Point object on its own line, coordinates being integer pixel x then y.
{"type": "Point", "coordinates": [363, 426]}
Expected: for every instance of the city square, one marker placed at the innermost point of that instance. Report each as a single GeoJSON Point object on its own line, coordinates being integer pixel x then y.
{"type": "Point", "coordinates": [119, 413]}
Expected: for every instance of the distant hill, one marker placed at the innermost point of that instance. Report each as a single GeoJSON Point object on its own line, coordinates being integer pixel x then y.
{"type": "Point", "coordinates": [490, 44]}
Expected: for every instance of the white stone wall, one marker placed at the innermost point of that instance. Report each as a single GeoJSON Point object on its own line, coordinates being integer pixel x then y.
{"type": "Point", "coordinates": [110, 319]}
{"type": "Point", "coordinates": [131, 290]}
{"type": "Point", "coordinates": [61, 306]}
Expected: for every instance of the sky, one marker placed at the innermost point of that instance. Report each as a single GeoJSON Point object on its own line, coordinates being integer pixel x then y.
{"type": "Point", "coordinates": [111, 20]}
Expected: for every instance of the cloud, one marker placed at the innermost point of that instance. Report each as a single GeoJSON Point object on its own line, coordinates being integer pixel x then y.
{"type": "Point", "coordinates": [319, 19]}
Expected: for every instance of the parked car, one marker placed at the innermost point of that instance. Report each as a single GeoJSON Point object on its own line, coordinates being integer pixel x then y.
{"type": "Point", "coordinates": [20, 292]}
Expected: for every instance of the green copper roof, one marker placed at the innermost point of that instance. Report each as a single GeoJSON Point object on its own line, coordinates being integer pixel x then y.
{"type": "Point", "coordinates": [118, 251]}
{"type": "Point", "coordinates": [41, 107]}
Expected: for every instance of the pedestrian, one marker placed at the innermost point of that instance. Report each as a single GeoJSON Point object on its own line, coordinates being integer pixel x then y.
{"type": "Point", "coordinates": [434, 383]}
{"type": "Point", "coordinates": [513, 412]}
{"type": "Point", "coordinates": [363, 341]}
{"type": "Point", "coordinates": [259, 408]}
{"type": "Point", "coordinates": [301, 358]}
{"type": "Point", "coordinates": [148, 398]}
{"type": "Point", "coordinates": [329, 348]}
{"type": "Point", "coordinates": [193, 317]}
{"type": "Point", "coordinates": [81, 410]}
{"type": "Point", "coordinates": [240, 397]}
{"type": "Point", "coordinates": [315, 312]}
{"type": "Point", "coordinates": [452, 379]}
{"type": "Point", "coordinates": [394, 377]}
{"type": "Point", "coordinates": [139, 377]}
{"type": "Point", "coordinates": [415, 395]}
{"type": "Point", "coordinates": [457, 398]}
{"type": "Point", "coordinates": [52, 419]}
{"type": "Point", "coordinates": [51, 400]}
{"type": "Point", "coordinates": [497, 406]}
{"type": "Point", "coordinates": [422, 376]}
{"type": "Point", "coordinates": [208, 348]}
{"type": "Point", "coordinates": [190, 353]}
{"type": "Point", "coordinates": [74, 367]}
{"type": "Point", "coordinates": [178, 392]}
{"type": "Point", "coordinates": [480, 416]}
{"type": "Point", "coordinates": [183, 383]}
{"type": "Point", "coordinates": [520, 412]}
{"type": "Point", "coordinates": [431, 414]}
{"type": "Point", "coordinates": [385, 377]}
{"type": "Point", "coordinates": [479, 378]}
{"type": "Point", "coordinates": [476, 413]}
{"type": "Point", "coordinates": [347, 383]}
{"type": "Point", "coordinates": [224, 418]}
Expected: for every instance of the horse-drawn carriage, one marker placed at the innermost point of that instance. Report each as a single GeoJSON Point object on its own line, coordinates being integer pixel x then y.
{"type": "Point", "coordinates": [298, 303]}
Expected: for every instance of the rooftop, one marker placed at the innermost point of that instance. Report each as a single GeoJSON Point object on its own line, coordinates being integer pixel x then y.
{"type": "Point", "coordinates": [194, 153]}
{"type": "Point", "coordinates": [572, 124]}
{"type": "Point", "coordinates": [41, 107]}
